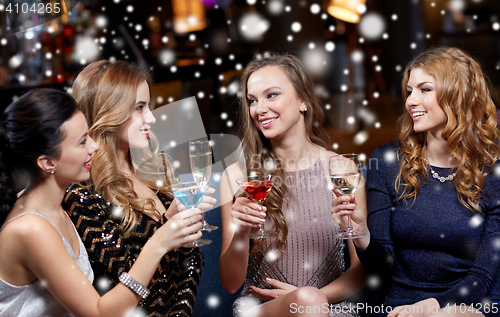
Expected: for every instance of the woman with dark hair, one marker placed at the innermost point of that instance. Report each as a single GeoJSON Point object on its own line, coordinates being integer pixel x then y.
{"type": "Point", "coordinates": [44, 268]}
{"type": "Point", "coordinates": [433, 196]}
{"type": "Point", "coordinates": [115, 207]}
{"type": "Point", "coordinates": [304, 265]}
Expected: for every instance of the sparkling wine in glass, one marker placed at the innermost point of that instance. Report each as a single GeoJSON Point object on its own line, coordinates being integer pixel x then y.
{"type": "Point", "coordinates": [257, 188]}
{"type": "Point", "coordinates": [158, 171]}
{"type": "Point", "coordinates": [190, 195]}
{"type": "Point", "coordinates": [200, 156]}
{"type": "Point", "coordinates": [346, 175]}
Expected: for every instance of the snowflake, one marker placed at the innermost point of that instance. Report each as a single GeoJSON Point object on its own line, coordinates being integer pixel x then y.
{"type": "Point", "coordinates": [476, 221]}
{"type": "Point", "coordinates": [213, 301]}
{"type": "Point", "coordinates": [374, 281]}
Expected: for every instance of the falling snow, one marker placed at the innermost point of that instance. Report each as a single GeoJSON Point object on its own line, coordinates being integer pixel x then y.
{"type": "Point", "coordinates": [372, 26]}
{"type": "Point", "coordinates": [475, 221]}
{"type": "Point", "coordinates": [389, 156]}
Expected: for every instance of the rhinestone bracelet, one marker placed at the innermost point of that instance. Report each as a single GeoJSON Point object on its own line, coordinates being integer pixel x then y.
{"type": "Point", "coordinates": [133, 285]}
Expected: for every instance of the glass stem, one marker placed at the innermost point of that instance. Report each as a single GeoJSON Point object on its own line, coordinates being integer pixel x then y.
{"type": "Point", "coordinates": [204, 219]}
{"type": "Point", "coordinates": [261, 227]}
{"type": "Point", "coordinates": [195, 241]}
{"type": "Point", "coordinates": [349, 226]}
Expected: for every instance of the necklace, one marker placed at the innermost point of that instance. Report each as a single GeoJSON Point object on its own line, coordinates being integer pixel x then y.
{"type": "Point", "coordinates": [442, 179]}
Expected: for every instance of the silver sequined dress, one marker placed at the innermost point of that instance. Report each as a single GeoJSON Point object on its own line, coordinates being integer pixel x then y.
{"type": "Point", "coordinates": [34, 299]}
{"type": "Point", "coordinates": [314, 255]}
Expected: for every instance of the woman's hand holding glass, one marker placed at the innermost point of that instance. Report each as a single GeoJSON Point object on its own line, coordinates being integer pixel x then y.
{"type": "Point", "coordinates": [343, 207]}
{"type": "Point", "coordinates": [206, 203]}
{"type": "Point", "coordinates": [184, 227]}
{"type": "Point", "coordinates": [247, 214]}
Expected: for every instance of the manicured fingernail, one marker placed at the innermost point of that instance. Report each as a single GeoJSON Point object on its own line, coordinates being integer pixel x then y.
{"type": "Point", "coordinates": [263, 214]}
{"type": "Point", "coordinates": [268, 279]}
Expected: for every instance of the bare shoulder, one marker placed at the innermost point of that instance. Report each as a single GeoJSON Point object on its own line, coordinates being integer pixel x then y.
{"type": "Point", "coordinates": [234, 172]}
{"type": "Point", "coordinates": [326, 154]}
{"type": "Point", "coordinates": [229, 187]}
{"type": "Point", "coordinates": [29, 229]}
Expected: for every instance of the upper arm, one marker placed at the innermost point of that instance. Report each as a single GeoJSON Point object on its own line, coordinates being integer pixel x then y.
{"type": "Point", "coordinates": [379, 205]}
{"type": "Point", "coordinates": [378, 198]}
{"type": "Point", "coordinates": [47, 257]}
{"type": "Point", "coordinates": [228, 189]}
{"type": "Point", "coordinates": [486, 260]}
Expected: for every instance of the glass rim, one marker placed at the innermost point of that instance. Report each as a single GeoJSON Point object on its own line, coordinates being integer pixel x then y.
{"type": "Point", "coordinates": [180, 185]}
{"type": "Point", "coordinates": [349, 156]}
{"type": "Point", "coordinates": [256, 178]}
{"type": "Point", "coordinates": [200, 141]}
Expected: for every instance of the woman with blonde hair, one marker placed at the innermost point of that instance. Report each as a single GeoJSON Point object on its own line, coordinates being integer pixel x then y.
{"type": "Point", "coordinates": [433, 196]}
{"type": "Point", "coordinates": [44, 267]}
{"type": "Point", "coordinates": [302, 270]}
{"type": "Point", "coordinates": [116, 212]}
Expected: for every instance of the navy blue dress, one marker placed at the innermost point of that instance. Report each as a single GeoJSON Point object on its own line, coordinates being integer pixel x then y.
{"type": "Point", "coordinates": [432, 246]}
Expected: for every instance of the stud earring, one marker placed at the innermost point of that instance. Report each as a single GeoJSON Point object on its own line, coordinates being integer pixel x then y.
{"type": "Point", "coordinates": [52, 172]}
{"type": "Point", "coordinates": [305, 109]}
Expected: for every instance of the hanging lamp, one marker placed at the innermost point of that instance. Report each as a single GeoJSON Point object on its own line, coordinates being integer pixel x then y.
{"type": "Point", "coordinates": [189, 16]}
{"type": "Point", "coordinates": [346, 10]}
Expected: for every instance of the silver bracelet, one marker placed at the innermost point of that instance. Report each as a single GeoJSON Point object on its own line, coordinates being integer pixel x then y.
{"type": "Point", "coordinates": [133, 285]}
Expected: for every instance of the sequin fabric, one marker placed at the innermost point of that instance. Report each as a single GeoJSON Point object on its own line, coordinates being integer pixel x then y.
{"type": "Point", "coordinates": [314, 256]}
{"type": "Point", "coordinates": [433, 246]}
{"type": "Point", "coordinates": [35, 299]}
{"type": "Point", "coordinates": [175, 282]}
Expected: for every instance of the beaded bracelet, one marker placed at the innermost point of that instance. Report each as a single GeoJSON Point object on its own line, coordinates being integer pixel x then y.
{"type": "Point", "coordinates": [133, 285]}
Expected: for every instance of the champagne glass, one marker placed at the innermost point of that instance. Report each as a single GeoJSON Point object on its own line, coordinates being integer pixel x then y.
{"type": "Point", "coordinates": [346, 174]}
{"type": "Point", "coordinates": [200, 156]}
{"type": "Point", "coordinates": [190, 195]}
{"type": "Point", "coordinates": [158, 170]}
{"type": "Point", "coordinates": [257, 187]}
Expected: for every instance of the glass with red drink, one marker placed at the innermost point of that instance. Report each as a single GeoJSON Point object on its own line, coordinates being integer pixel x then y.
{"type": "Point", "coordinates": [257, 187]}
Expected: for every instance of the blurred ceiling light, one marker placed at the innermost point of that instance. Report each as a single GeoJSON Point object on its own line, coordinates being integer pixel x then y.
{"type": "Point", "coordinates": [252, 26]}
{"type": "Point", "coordinates": [347, 10]}
{"type": "Point", "coordinates": [189, 15]}
{"type": "Point", "coordinates": [457, 5]}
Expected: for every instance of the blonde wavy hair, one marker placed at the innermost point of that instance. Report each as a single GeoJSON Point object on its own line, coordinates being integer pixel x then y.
{"type": "Point", "coordinates": [471, 133]}
{"type": "Point", "coordinates": [106, 94]}
{"type": "Point", "coordinates": [255, 145]}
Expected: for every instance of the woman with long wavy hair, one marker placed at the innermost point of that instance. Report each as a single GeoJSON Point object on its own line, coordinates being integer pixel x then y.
{"type": "Point", "coordinates": [116, 212]}
{"type": "Point", "coordinates": [44, 267]}
{"type": "Point", "coordinates": [304, 265]}
{"type": "Point", "coordinates": [433, 196]}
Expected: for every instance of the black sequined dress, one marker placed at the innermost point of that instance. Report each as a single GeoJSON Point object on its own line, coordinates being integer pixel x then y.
{"type": "Point", "coordinates": [175, 282]}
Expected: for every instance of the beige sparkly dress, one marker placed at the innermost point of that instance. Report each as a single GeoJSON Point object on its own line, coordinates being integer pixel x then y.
{"type": "Point", "coordinates": [314, 255]}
